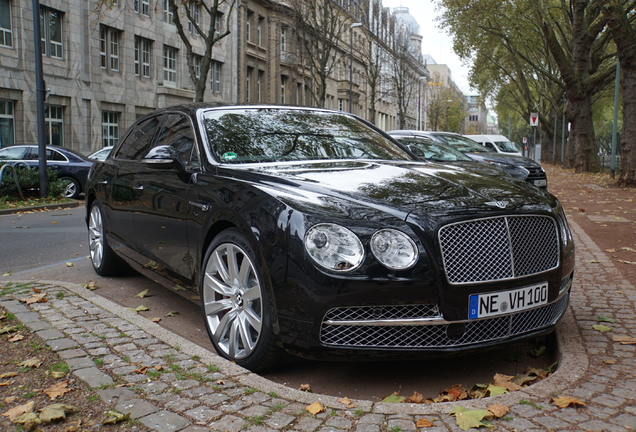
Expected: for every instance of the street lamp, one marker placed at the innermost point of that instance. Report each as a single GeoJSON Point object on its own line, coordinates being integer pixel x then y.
{"type": "Point", "coordinates": [351, 27]}
{"type": "Point", "coordinates": [419, 103]}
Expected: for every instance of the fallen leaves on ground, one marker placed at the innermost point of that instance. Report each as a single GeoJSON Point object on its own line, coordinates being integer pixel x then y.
{"type": "Point", "coordinates": [57, 390]}
{"type": "Point", "coordinates": [38, 298]}
{"type": "Point", "coordinates": [315, 408]}
{"type": "Point", "coordinates": [91, 285]}
{"type": "Point", "coordinates": [305, 388]}
{"type": "Point", "coordinates": [601, 328]}
{"type": "Point", "coordinates": [138, 309]}
{"type": "Point", "coordinates": [144, 293]}
{"type": "Point", "coordinates": [113, 417]}
{"type": "Point", "coordinates": [566, 401]}
{"type": "Point", "coordinates": [624, 340]}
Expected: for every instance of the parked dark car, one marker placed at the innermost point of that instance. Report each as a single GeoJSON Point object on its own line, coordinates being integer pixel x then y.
{"type": "Point", "coordinates": [311, 231]}
{"type": "Point", "coordinates": [70, 165]}
{"type": "Point", "coordinates": [434, 151]}
{"type": "Point", "coordinates": [519, 167]}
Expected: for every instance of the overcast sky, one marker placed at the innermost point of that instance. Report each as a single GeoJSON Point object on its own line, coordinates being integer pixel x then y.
{"type": "Point", "coordinates": [436, 42]}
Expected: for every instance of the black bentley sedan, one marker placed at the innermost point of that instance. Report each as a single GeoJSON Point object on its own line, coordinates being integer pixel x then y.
{"type": "Point", "coordinates": [311, 231]}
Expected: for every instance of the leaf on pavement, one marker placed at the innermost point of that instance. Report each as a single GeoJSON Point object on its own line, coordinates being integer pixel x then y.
{"type": "Point", "coordinates": [602, 318]}
{"type": "Point", "coordinates": [172, 313]}
{"type": "Point", "coordinates": [415, 398]}
{"type": "Point", "coordinates": [19, 410]}
{"type": "Point", "coordinates": [627, 262]}
{"type": "Point", "coordinates": [628, 249]}
{"type": "Point", "coordinates": [394, 398]}
{"type": "Point", "coordinates": [69, 264]}
{"type": "Point", "coordinates": [538, 352]}
{"type": "Point", "coordinates": [15, 338]}
{"type": "Point", "coordinates": [156, 320]}
{"type": "Point", "coordinates": [138, 309]}
{"type": "Point", "coordinates": [142, 370]}
{"type": "Point", "coordinates": [33, 362]}
{"type": "Point", "coordinates": [315, 408]}
{"type": "Point", "coordinates": [494, 390]}
{"type": "Point", "coordinates": [347, 402]}
{"type": "Point", "coordinates": [55, 412]}
{"type": "Point", "coordinates": [8, 329]}
{"type": "Point", "coordinates": [91, 285]}
{"type": "Point", "coordinates": [143, 294]}
{"type": "Point", "coordinates": [39, 298]}
{"type": "Point", "coordinates": [566, 401]}
{"type": "Point", "coordinates": [57, 390]}
{"type": "Point", "coordinates": [8, 375]}
{"type": "Point", "coordinates": [455, 393]}
{"type": "Point", "coordinates": [506, 382]}
{"type": "Point", "coordinates": [113, 417]}
{"type": "Point", "coordinates": [601, 328]}
{"type": "Point", "coordinates": [7, 274]}
{"type": "Point", "coordinates": [498, 410]}
{"type": "Point", "coordinates": [305, 388]}
{"type": "Point", "coordinates": [178, 288]}
{"type": "Point", "coordinates": [467, 419]}
{"type": "Point", "coordinates": [424, 423]}
{"type": "Point", "coordinates": [624, 340]}
{"type": "Point", "coordinates": [29, 420]}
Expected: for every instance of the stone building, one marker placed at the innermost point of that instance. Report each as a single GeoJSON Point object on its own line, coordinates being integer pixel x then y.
{"type": "Point", "coordinates": [105, 65]}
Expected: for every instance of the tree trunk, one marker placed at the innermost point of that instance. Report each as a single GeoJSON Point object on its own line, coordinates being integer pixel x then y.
{"type": "Point", "coordinates": [582, 134]}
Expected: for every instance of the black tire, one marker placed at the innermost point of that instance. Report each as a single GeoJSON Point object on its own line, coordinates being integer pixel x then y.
{"type": "Point", "coordinates": [73, 189]}
{"type": "Point", "coordinates": [105, 261]}
{"type": "Point", "coordinates": [238, 313]}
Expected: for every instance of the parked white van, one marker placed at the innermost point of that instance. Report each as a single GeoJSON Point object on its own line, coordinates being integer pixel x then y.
{"type": "Point", "coordinates": [496, 143]}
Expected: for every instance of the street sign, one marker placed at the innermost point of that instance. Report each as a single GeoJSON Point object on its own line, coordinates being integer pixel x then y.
{"type": "Point", "coordinates": [534, 119]}
{"type": "Point", "coordinates": [525, 140]}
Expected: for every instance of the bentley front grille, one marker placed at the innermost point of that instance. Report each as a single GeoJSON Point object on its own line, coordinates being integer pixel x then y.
{"type": "Point", "coordinates": [427, 333]}
{"type": "Point", "coordinates": [498, 248]}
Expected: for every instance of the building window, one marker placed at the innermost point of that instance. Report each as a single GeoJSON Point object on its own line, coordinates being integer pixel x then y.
{"type": "Point", "coordinates": [259, 86]}
{"type": "Point", "coordinates": [142, 56]}
{"type": "Point", "coordinates": [283, 89]}
{"type": "Point", "coordinates": [54, 125]}
{"type": "Point", "coordinates": [196, 62]}
{"type": "Point", "coordinates": [168, 16]}
{"type": "Point", "coordinates": [259, 32]}
{"type": "Point", "coordinates": [51, 32]}
{"type": "Point", "coordinates": [218, 24]}
{"type": "Point", "coordinates": [169, 65]}
{"type": "Point", "coordinates": [109, 47]}
{"type": "Point", "coordinates": [7, 136]}
{"type": "Point", "coordinates": [248, 26]}
{"type": "Point", "coordinates": [215, 85]}
{"type": "Point", "coordinates": [283, 40]}
{"type": "Point", "coordinates": [142, 6]}
{"type": "Point", "coordinates": [6, 29]}
{"type": "Point", "coordinates": [195, 17]}
{"type": "Point", "coordinates": [299, 94]}
{"type": "Point", "coordinates": [110, 128]}
{"type": "Point", "coordinates": [473, 118]}
{"type": "Point", "coordinates": [248, 84]}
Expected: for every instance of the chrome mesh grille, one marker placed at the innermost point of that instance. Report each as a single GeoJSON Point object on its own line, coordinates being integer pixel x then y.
{"type": "Point", "coordinates": [499, 248]}
{"type": "Point", "coordinates": [435, 335]}
{"type": "Point", "coordinates": [360, 313]}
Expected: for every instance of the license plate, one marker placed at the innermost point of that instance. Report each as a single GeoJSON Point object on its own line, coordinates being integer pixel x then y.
{"type": "Point", "coordinates": [505, 302]}
{"type": "Point", "coordinates": [540, 183]}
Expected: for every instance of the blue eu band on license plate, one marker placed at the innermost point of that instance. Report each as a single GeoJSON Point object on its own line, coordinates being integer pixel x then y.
{"type": "Point", "coordinates": [506, 302]}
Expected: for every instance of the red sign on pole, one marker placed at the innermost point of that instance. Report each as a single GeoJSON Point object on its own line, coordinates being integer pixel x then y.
{"type": "Point", "coordinates": [534, 119]}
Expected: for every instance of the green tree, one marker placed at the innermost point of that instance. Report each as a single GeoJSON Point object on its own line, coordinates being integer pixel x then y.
{"type": "Point", "coordinates": [621, 21]}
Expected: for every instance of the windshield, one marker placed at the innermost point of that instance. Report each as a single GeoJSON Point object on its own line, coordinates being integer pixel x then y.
{"type": "Point", "coordinates": [461, 143]}
{"type": "Point", "coordinates": [507, 147]}
{"type": "Point", "coordinates": [274, 134]}
{"type": "Point", "coordinates": [434, 151]}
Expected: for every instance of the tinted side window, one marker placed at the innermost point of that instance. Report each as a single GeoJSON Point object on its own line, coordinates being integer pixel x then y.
{"type": "Point", "coordinates": [13, 153]}
{"type": "Point", "coordinates": [177, 132]}
{"type": "Point", "coordinates": [138, 141]}
{"type": "Point", "coordinates": [53, 155]}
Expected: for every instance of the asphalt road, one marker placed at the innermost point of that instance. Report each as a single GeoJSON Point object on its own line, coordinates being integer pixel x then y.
{"type": "Point", "coordinates": [53, 245]}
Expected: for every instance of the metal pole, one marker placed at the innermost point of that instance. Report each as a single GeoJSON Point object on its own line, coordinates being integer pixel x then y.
{"type": "Point", "coordinates": [554, 137]}
{"type": "Point", "coordinates": [39, 91]}
{"type": "Point", "coordinates": [614, 126]}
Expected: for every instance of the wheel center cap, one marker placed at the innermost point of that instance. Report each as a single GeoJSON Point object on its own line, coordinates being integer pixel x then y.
{"type": "Point", "coordinates": [238, 300]}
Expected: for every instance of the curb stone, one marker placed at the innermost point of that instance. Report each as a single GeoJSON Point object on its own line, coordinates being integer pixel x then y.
{"type": "Point", "coordinates": [228, 396]}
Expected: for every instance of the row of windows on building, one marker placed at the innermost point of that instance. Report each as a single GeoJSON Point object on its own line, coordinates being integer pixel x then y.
{"type": "Point", "coordinates": [54, 125]}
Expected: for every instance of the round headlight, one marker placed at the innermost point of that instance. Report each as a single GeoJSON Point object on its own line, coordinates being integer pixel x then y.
{"type": "Point", "coordinates": [394, 249]}
{"type": "Point", "coordinates": [334, 247]}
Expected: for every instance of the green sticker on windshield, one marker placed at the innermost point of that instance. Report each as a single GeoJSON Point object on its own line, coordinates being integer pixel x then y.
{"type": "Point", "coordinates": [229, 156]}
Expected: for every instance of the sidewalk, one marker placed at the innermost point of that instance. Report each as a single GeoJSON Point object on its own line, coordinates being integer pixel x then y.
{"type": "Point", "coordinates": [593, 368]}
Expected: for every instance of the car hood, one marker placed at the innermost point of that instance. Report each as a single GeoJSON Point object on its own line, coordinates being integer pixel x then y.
{"type": "Point", "coordinates": [504, 158]}
{"type": "Point", "coordinates": [396, 187]}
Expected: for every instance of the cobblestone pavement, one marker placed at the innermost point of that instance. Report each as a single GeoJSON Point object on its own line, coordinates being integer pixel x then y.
{"type": "Point", "coordinates": [202, 392]}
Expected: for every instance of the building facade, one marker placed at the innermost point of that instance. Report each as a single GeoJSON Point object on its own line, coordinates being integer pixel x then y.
{"type": "Point", "coordinates": [106, 63]}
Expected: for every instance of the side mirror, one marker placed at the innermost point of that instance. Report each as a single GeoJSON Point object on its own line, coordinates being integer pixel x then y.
{"type": "Point", "coordinates": [163, 156]}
